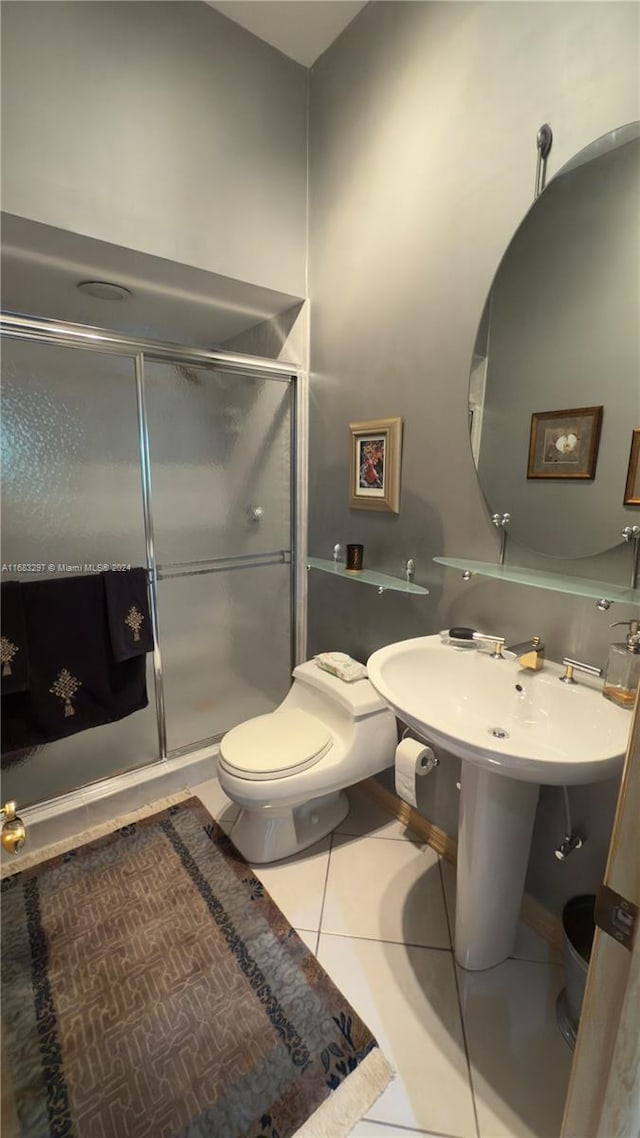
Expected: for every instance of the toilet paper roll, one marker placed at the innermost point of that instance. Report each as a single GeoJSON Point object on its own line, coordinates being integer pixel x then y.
{"type": "Point", "coordinates": [413, 760]}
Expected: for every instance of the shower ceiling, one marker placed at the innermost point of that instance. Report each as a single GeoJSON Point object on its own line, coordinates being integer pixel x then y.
{"type": "Point", "coordinates": [42, 266]}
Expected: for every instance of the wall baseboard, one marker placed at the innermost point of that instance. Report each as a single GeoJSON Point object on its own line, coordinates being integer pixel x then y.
{"type": "Point", "coordinates": [432, 835]}
{"type": "Point", "coordinates": [542, 921]}
{"type": "Point", "coordinates": [532, 912]}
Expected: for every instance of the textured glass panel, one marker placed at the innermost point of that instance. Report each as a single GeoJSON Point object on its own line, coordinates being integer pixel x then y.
{"type": "Point", "coordinates": [220, 449]}
{"type": "Point", "coordinates": [226, 649]}
{"type": "Point", "coordinates": [71, 495]}
{"type": "Point", "coordinates": [58, 768]}
{"type": "Point", "coordinates": [70, 467]}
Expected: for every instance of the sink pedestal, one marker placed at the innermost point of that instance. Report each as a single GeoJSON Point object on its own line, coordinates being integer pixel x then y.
{"type": "Point", "coordinates": [494, 838]}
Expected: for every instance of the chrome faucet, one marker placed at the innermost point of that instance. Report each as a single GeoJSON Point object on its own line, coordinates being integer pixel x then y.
{"type": "Point", "coordinates": [529, 654]}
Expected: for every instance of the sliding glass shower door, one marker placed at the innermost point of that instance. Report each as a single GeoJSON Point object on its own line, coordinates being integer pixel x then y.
{"type": "Point", "coordinates": [221, 485]}
{"type": "Point", "coordinates": [119, 451]}
{"type": "Point", "coordinates": [71, 501]}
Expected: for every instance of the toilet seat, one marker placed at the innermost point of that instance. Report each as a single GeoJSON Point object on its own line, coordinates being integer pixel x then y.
{"type": "Point", "coordinates": [275, 745]}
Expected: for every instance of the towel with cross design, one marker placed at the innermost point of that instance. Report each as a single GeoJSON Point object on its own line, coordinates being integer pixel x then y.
{"type": "Point", "coordinates": [78, 675]}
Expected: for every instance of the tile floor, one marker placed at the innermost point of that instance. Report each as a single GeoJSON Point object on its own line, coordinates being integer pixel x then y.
{"type": "Point", "coordinates": [477, 1055]}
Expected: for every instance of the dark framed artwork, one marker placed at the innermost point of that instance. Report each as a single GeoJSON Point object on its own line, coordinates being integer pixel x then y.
{"type": "Point", "coordinates": [564, 444]}
{"type": "Point", "coordinates": [632, 488]}
{"type": "Point", "coordinates": [374, 479]}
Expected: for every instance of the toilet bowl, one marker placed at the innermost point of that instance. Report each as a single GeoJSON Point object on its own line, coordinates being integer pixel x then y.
{"type": "Point", "coordinates": [287, 770]}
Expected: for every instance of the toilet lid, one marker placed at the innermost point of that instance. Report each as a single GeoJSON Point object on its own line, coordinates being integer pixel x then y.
{"type": "Point", "coordinates": [275, 745]}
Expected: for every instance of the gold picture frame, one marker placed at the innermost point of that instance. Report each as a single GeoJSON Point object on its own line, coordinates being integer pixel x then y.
{"type": "Point", "coordinates": [564, 444]}
{"type": "Point", "coordinates": [376, 451]}
{"type": "Point", "coordinates": [632, 488]}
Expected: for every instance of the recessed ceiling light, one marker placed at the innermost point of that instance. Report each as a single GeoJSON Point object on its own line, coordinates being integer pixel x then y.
{"type": "Point", "coordinates": [104, 290]}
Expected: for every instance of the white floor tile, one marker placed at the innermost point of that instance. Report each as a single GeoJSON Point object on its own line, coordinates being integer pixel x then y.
{"type": "Point", "coordinates": [519, 1060]}
{"type": "Point", "coordinates": [213, 797]}
{"type": "Point", "coordinates": [368, 818]}
{"type": "Point", "coordinates": [385, 891]}
{"type": "Point", "coordinates": [448, 872]}
{"type": "Point", "coordinates": [407, 997]}
{"type": "Point", "coordinates": [309, 938]}
{"type": "Point", "coordinates": [297, 884]}
{"type": "Point", "coordinates": [369, 1129]}
{"type": "Point", "coordinates": [529, 945]}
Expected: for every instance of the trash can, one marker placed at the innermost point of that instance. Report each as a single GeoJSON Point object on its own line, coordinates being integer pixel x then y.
{"type": "Point", "coordinates": [579, 928]}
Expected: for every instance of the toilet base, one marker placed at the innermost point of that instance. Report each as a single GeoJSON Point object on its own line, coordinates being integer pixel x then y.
{"type": "Point", "coordinates": [271, 833]}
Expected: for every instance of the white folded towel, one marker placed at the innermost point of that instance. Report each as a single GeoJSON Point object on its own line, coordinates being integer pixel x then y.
{"type": "Point", "coordinates": [341, 665]}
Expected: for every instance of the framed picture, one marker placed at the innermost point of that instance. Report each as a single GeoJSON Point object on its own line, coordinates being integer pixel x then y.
{"type": "Point", "coordinates": [564, 444]}
{"type": "Point", "coordinates": [632, 489]}
{"type": "Point", "coordinates": [374, 481]}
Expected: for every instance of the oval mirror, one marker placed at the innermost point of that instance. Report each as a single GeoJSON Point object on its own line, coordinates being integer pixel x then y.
{"type": "Point", "coordinates": [554, 393]}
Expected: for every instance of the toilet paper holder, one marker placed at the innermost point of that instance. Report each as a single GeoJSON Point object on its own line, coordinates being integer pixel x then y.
{"type": "Point", "coordinates": [414, 759]}
{"type": "Point", "coordinates": [433, 760]}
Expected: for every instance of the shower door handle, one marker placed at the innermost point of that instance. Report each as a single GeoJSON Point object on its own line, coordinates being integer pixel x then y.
{"type": "Point", "coordinates": [13, 832]}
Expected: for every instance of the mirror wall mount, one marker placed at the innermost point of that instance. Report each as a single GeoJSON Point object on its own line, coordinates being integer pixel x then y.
{"type": "Point", "coordinates": [544, 141]}
{"type": "Point", "coordinates": [501, 521]}
{"type": "Point", "coordinates": [631, 534]}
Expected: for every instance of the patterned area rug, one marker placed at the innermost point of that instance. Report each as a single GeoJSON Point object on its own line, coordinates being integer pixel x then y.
{"type": "Point", "coordinates": [152, 989]}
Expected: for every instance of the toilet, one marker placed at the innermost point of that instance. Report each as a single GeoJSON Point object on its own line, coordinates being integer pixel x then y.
{"type": "Point", "coordinates": [287, 770]}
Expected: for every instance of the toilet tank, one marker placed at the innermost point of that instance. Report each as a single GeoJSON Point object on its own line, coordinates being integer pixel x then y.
{"type": "Point", "coordinates": [359, 699]}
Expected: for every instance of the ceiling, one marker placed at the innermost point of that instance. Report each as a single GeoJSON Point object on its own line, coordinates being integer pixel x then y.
{"type": "Point", "coordinates": [302, 29]}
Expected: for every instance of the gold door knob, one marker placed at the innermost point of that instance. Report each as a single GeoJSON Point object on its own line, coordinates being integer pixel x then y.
{"type": "Point", "coordinates": [13, 832]}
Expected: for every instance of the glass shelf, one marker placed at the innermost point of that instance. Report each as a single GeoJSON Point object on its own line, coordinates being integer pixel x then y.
{"type": "Point", "coordinates": [539, 579]}
{"type": "Point", "coordinates": [381, 581]}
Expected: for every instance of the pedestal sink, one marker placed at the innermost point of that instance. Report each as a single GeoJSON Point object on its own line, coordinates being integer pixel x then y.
{"type": "Point", "coordinates": [514, 730]}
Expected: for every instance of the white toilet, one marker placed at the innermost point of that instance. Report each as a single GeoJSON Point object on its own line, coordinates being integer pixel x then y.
{"type": "Point", "coordinates": [287, 770]}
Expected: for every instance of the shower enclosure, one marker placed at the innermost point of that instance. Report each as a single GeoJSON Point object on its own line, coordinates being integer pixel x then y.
{"type": "Point", "coordinates": [124, 452]}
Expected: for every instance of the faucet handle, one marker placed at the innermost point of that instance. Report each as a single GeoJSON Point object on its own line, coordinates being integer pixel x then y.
{"type": "Point", "coordinates": [571, 666]}
{"type": "Point", "coordinates": [497, 641]}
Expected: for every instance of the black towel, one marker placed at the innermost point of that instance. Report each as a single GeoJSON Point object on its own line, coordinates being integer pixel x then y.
{"type": "Point", "coordinates": [14, 652]}
{"type": "Point", "coordinates": [128, 612]}
{"type": "Point", "coordinates": [75, 683]}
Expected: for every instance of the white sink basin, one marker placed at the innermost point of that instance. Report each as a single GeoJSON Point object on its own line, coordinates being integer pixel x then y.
{"type": "Point", "coordinates": [514, 730]}
{"type": "Point", "coordinates": [526, 725]}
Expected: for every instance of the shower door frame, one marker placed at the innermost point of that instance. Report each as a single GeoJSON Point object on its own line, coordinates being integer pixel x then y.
{"type": "Point", "coordinates": [138, 349]}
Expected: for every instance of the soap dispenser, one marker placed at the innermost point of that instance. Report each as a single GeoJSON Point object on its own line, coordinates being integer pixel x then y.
{"type": "Point", "coordinates": [623, 667]}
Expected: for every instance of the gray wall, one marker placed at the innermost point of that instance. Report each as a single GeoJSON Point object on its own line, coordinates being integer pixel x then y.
{"type": "Point", "coordinates": [423, 122]}
{"type": "Point", "coordinates": [163, 127]}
